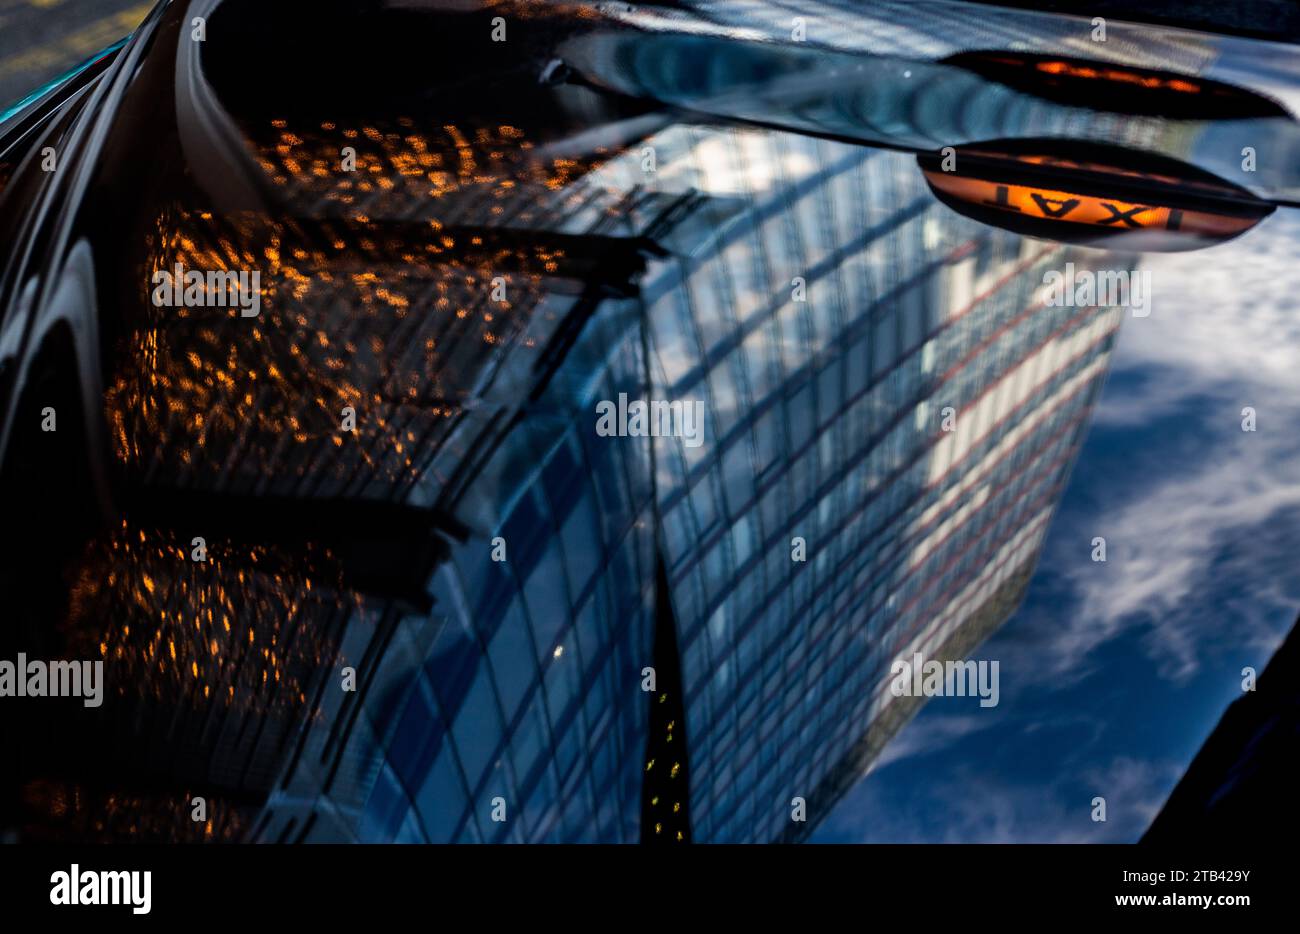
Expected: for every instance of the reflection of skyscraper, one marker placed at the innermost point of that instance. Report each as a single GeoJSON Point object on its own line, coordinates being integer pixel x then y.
{"type": "Point", "coordinates": [827, 425]}
{"type": "Point", "coordinates": [826, 400]}
{"type": "Point", "coordinates": [834, 319]}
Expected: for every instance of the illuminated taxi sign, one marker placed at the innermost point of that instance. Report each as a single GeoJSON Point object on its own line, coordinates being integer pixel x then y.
{"type": "Point", "coordinates": [1071, 207]}
{"type": "Point", "coordinates": [1088, 199]}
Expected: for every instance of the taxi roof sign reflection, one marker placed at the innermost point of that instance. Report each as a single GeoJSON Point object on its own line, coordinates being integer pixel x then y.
{"type": "Point", "coordinates": [1085, 198]}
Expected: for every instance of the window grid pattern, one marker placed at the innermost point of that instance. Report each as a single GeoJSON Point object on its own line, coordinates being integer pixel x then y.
{"type": "Point", "coordinates": [823, 422]}
{"type": "Point", "coordinates": [529, 697]}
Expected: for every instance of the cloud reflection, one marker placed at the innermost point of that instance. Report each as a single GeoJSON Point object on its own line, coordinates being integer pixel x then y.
{"type": "Point", "coordinates": [1114, 673]}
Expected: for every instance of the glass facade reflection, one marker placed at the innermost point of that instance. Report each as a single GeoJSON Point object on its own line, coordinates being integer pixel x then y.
{"type": "Point", "coordinates": [826, 425]}
{"type": "Point", "coordinates": [825, 420]}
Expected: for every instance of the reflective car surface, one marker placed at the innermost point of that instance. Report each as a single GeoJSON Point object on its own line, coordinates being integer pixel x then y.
{"type": "Point", "coordinates": [542, 422]}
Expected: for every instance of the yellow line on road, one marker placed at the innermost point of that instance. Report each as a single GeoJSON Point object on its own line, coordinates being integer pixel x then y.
{"type": "Point", "coordinates": [75, 46]}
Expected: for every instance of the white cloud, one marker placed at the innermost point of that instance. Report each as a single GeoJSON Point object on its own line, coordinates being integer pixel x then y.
{"type": "Point", "coordinates": [1224, 334]}
{"type": "Point", "coordinates": [969, 805]}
